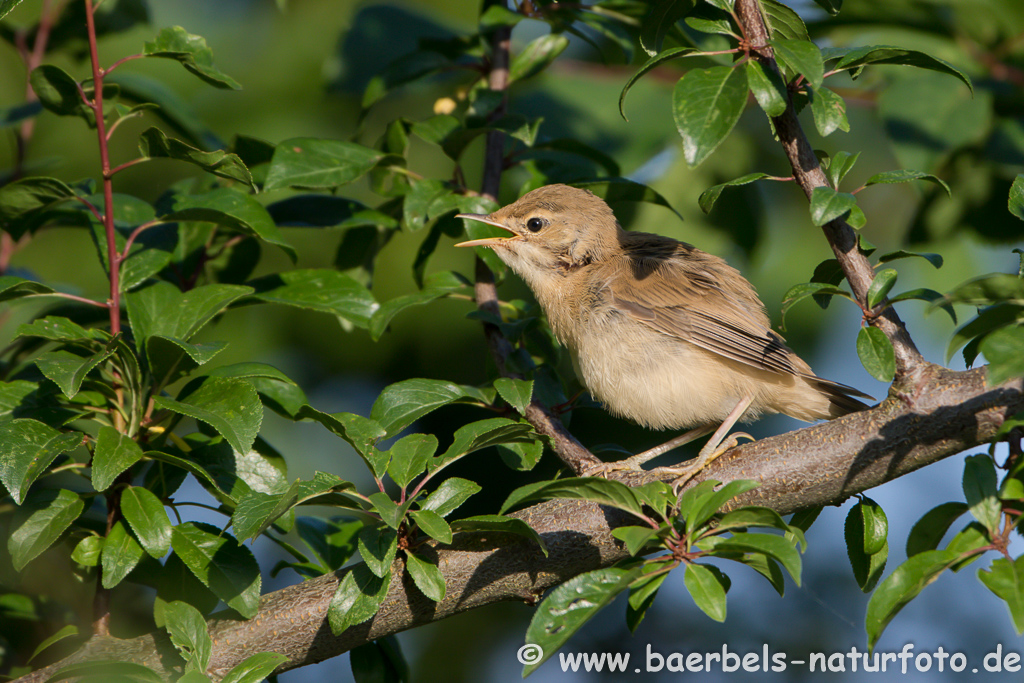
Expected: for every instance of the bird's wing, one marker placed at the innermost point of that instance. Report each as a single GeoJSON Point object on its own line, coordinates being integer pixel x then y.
{"type": "Point", "coordinates": [680, 295]}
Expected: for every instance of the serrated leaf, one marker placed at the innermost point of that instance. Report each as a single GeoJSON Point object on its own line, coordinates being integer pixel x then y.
{"type": "Point", "coordinates": [121, 552]}
{"type": "Point", "coordinates": [39, 522]}
{"type": "Point", "coordinates": [828, 204]}
{"type": "Point", "coordinates": [325, 291]}
{"type": "Point", "coordinates": [233, 209]}
{"type": "Point", "coordinates": [427, 577]}
{"type": "Point", "coordinates": [927, 532]}
{"type": "Point", "coordinates": [1005, 578]}
{"type": "Point", "coordinates": [146, 515]}
{"type": "Point", "coordinates": [28, 449]}
{"type": "Point", "coordinates": [876, 353]}
{"type": "Point", "coordinates": [657, 60]}
{"type": "Point", "coordinates": [490, 524]}
{"type": "Point", "coordinates": [153, 143]}
{"type": "Point", "coordinates": [254, 668]}
{"type": "Point", "coordinates": [783, 21]}
{"type": "Point", "coordinates": [409, 457]}
{"type": "Point", "coordinates": [703, 509]}
{"type": "Point", "coordinates": [880, 286]}
{"type": "Point", "coordinates": [221, 564]}
{"type": "Point", "coordinates": [883, 54]}
{"type": "Point", "coordinates": [402, 403]}
{"type": "Point", "coordinates": [68, 370]}
{"type": "Point", "coordinates": [802, 57]}
{"type": "Point", "coordinates": [187, 627]}
{"type": "Point", "coordinates": [709, 196]}
{"type": "Point", "coordinates": [378, 546]}
{"type": "Point", "coordinates": [905, 176]}
{"type": "Point", "coordinates": [257, 510]}
{"type": "Point", "coordinates": [707, 588]}
{"type": "Point", "coordinates": [452, 493]}
{"type": "Point", "coordinates": [318, 163]}
{"type": "Point", "coordinates": [902, 586]}
{"type": "Point", "coordinates": [572, 604]}
{"type": "Point", "coordinates": [866, 531]}
{"type": "Point", "coordinates": [357, 598]}
{"type": "Point", "coordinates": [435, 286]}
{"type": "Point", "coordinates": [829, 111]}
{"type": "Point", "coordinates": [636, 538]}
{"type": "Point", "coordinates": [707, 103]}
{"type": "Point", "coordinates": [148, 308]}
{"type": "Point", "coordinates": [518, 392]}
{"type": "Point", "coordinates": [433, 525]}
{"type": "Point", "coordinates": [981, 491]}
{"type": "Point", "coordinates": [25, 198]}
{"type": "Point", "coordinates": [1004, 351]}
{"type": "Point", "coordinates": [768, 87]}
{"type": "Point", "coordinates": [776, 547]}
{"type": "Point", "coordinates": [193, 53]}
{"type": "Point", "coordinates": [601, 491]}
{"type": "Point", "coordinates": [231, 406]}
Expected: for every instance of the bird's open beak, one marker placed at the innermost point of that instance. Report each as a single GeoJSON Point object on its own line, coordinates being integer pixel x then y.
{"type": "Point", "coordinates": [487, 241]}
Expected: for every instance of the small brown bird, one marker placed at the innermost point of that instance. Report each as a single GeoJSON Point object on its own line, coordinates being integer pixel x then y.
{"type": "Point", "coordinates": [660, 332]}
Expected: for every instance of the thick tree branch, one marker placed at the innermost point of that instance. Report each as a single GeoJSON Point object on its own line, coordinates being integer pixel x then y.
{"type": "Point", "coordinates": [910, 366]}
{"type": "Point", "coordinates": [818, 465]}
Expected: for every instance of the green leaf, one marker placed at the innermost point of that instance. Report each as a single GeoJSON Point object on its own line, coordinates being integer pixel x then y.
{"type": "Point", "coordinates": [452, 493]}
{"type": "Point", "coordinates": [68, 370]}
{"type": "Point", "coordinates": [221, 564]}
{"type": "Point", "coordinates": [707, 103]}
{"type": "Point", "coordinates": [14, 287]}
{"type": "Point", "coordinates": [838, 166]}
{"type": "Point", "coordinates": [707, 586]}
{"type": "Point", "coordinates": [624, 190]}
{"type": "Point", "coordinates": [491, 524]}
{"type": "Point", "coordinates": [1015, 203]}
{"type": "Point", "coordinates": [113, 454]}
{"type": "Point", "coordinates": [433, 525]}
{"type": "Point", "coordinates": [989, 289]}
{"type": "Point", "coordinates": [361, 432]}
{"type": "Point", "coordinates": [866, 532]}
{"type": "Point", "coordinates": [768, 87]}
{"type": "Point", "coordinates": [146, 515]}
{"type": "Point", "coordinates": [928, 531]}
{"type": "Point", "coordinates": [23, 199]}
{"type": "Point", "coordinates": [981, 490]}
{"type": "Point", "coordinates": [5, 8]}
{"type": "Point", "coordinates": [254, 668]}
{"type": "Point", "coordinates": [121, 552]}
{"type": "Point", "coordinates": [828, 204]}
{"type": "Point", "coordinates": [709, 196]}
{"type": "Point", "coordinates": [231, 406]}
{"type": "Point", "coordinates": [601, 491]}
{"type": "Point", "coordinates": [517, 392]}
{"type": "Point", "coordinates": [830, 6]}
{"type": "Point", "coordinates": [325, 291]}
{"type": "Point", "coordinates": [706, 506]}
{"type": "Point", "coordinates": [905, 176]}
{"type": "Point", "coordinates": [195, 469]}
{"type": "Point", "coordinates": [655, 61]}
{"type": "Point", "coordinates": [876, 353]}
{"type": "Point", "coordinates": [481, 434]}
{"type": "Point", "coordinates": [390, 511]}
{"type": "Point", "coordinates": [572, 604]}
{"type": "Point", "coordinates": [227, 207]}
{"type": "Point", "coordinates": [381, 659]}
{"type": "Point", "coordinates": [187, 628]}
{"type": "Point", "coordinates": [783, 21]}
{"type": "Point", "coordinates": [402, 403]}
{"type": "Point", "coordinates": [636, 538]}
{"type": "Point", "coordinates": [991, 318]}
{"type": "Point", "coordinates": [801, 57]}
{"type": "Point", "coordinates": [902, 586]}
{"type": "Point", "coordinates": [883, 54]}
{"type": "Point", "coordinates": [1005, 578]}
{"type": "Point", "coordinates": [28, 448]}
{"type": "Point", "coordinates": [800, 292]}
{"type": "Point", "coordinates": [435, 286]}
{"type": "Point", "coordinates": [1004, 351]}
{"type": "Point", "coordinates": [754, 516]}
{"type": "Point", "coordinates": [153, 143]}
{"type": "Point", "coordinates": [934, 259]}
{"type": "Point", "coordinates": [538, 54]}
{"type": "Point", "coordinates": [257, 510]}
{"type": "Point", "coordinates": [67, 631]}
{"type": "Point", "coordinates": [829, 111]}
{"type": "Point", "coordinates": [427, 577]}
{"type": "Point", "coordinates": [39, 522]}
{"type": "Point", "coordinates": [191, 50]}
{"type": "Point", "coordinates": [59, 93]}
{"type": "Point", "coordinates": [880, 286]}
{"type": "Point", "coordinates": [148, 309]}
{"type": "Point", "coordinates": [642, 593]}
{"type": "Point", "coordinates": [93, 672]}
{"type": "Point", "coordinates": [522, 457]}
{"type": "Point", "coordinates": [378, 547]}
{"type": "Point", "coordinates": [409, 457]}
{"type": "Point", "coordinates": [405, 69]}
{"type": "Point", "coordinates": [776, 547]}
{"type": "Point", "coordinates": [319, 164]}
{"type": "Point", "coordinates": [359, 596]}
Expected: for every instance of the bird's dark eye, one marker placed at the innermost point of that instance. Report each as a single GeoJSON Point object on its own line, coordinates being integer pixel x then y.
{"type": "Point", "coordinates": [535, 224]}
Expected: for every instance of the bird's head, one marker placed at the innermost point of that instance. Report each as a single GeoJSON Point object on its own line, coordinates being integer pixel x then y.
{"type": "Point", "coordinates": [555, 230]}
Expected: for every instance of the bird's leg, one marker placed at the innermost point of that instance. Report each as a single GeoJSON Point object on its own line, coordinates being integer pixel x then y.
{"type": "Point", "coordinates": [635, 462]}
{"type": "Point", "coordinates": [716, 445]}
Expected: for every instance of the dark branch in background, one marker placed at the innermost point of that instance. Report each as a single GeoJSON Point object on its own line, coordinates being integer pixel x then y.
{"type": "Point", "coordinates": [819, 465]}
{"type": "Point", "coordinates": [910, 366]}
{"type": "Point", "coordinates": [565, 445]}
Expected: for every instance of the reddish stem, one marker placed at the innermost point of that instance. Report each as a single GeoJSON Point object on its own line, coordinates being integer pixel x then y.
{"type": "Point", "coordinates": [117, 169]}
{"type": "Point", "coordinates": [114, 304]}
{"type": "Point", "coordinates": [106, 72]}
